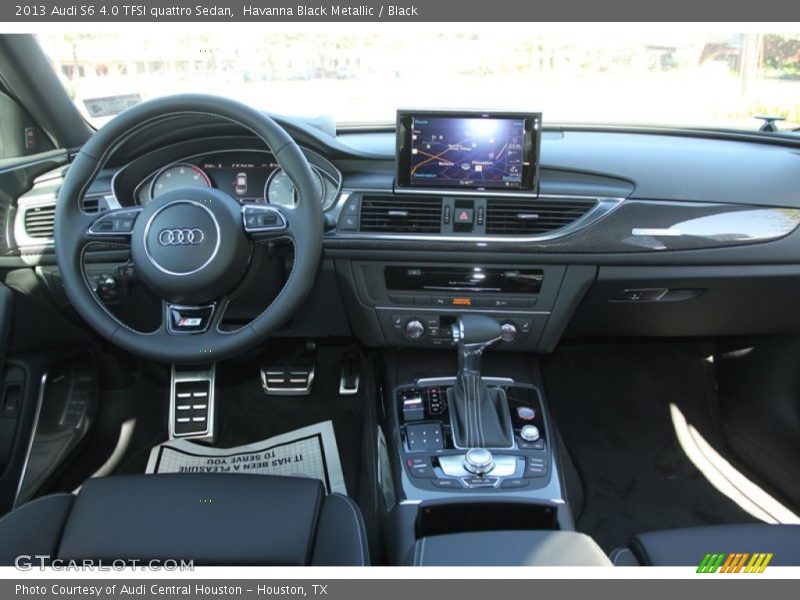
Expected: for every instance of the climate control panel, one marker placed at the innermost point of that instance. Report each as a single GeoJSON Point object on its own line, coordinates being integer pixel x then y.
{"type": "Point", "coordinates": [433, 329]}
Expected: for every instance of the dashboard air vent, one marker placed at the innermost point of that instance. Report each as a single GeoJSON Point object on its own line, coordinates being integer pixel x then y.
{"type": "Point", "coordinates": [39, 221]}
{"type": "Point", "coordinates": [531, 217]}
{"type": "Point", "coordinates": [401, 214]}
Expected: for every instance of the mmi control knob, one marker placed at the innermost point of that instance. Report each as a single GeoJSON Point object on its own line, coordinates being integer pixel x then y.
{"type": "Point", "coordinates": [478, 461]}
{"type": "Point", "coordinates": [414, 329]}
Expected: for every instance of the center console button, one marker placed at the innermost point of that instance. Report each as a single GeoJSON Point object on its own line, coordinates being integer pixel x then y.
{"type": "Point", "coordinates": [476, 481]}
{"type": "Point", "coordinates": [424, 437]}
{"type": "Point", "coordinates": [515, 483]}
{"type": "Point", "coordinates": [448, 484]}
{"type": "Point", "coordinates": [421, 467]}
{"type": "Point", "coordinates": [526, 413]}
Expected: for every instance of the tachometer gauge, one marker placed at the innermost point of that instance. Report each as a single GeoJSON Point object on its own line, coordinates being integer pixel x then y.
{"type": "Point", "coordinates": [178, 176]}
{"type": "Point", "coordinates": [281, 191]}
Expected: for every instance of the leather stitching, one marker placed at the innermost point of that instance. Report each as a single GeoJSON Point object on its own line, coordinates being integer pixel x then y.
{"type": "Point", "coordinates": [359, 524]}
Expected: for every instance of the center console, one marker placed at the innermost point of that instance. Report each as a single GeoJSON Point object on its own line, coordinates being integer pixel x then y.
{"type": "Point", "coordinates": [433, 461]}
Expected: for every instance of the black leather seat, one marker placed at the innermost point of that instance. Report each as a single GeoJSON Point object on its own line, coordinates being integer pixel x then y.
{"type": "Point", "coordinates": [212, 519]}
{"type": "Point", "coordinates": [687, 547]}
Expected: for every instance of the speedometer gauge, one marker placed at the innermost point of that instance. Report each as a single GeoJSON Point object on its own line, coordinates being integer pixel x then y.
{"type": "Point", "coordinates": [176, 176]}
{"type": "Point", "coordinates": [281, 190]}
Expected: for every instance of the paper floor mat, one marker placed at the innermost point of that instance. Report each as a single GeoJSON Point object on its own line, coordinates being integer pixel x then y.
{"type": "Point", "coordinates": [307, 452]}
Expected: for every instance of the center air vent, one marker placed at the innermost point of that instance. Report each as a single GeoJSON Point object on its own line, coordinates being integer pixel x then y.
{"type": "Point", "coordinates": [401, 214]}
{"type": "Point", "coordinates": [532, 217]}
{"type": "Point", "coordinates": [39, 221]}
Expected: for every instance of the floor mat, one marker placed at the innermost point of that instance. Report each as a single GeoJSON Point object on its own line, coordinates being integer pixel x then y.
{"type": "Point", "coordinates": [612, 406]}
{"type": "Point", "coordinates": [307, 452]}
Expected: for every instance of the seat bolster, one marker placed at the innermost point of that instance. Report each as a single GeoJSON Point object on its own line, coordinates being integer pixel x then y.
{"type": "Point", "coordinates": [341, 536]}
{"type": "Point", "coordinates": [34, 528]}
{"type": "Point", "coordinates": [687, 547]}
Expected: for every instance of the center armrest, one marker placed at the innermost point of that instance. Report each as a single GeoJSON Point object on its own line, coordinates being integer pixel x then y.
{"type": "Point", "coordinates": [510, 548]}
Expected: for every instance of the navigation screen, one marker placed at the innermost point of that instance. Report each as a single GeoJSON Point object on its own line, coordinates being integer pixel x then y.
{"type": "Point", "coordinates": [465, 151]}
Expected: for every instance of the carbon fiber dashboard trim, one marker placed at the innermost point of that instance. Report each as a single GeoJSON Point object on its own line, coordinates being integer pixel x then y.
{"type": "Point", "coordinates": [635, 226]}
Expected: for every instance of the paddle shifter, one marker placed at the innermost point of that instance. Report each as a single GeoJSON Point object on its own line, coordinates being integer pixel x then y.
{"type": "Point", "coordinates": [481, 417]}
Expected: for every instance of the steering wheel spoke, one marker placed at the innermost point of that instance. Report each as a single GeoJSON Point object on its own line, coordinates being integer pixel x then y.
{"type": "Point", "coordinates": [111, 225]}
{"type": "Point", "coordinates": [180, 319]}
{"type": "Point", "coordinates": [263, 222]}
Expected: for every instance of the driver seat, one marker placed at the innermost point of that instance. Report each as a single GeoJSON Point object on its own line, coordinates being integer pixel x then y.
{"type": "Point", "coordinates": [212, 519]}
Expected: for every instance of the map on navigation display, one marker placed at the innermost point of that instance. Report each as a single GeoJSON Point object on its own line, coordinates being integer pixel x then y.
{"type": "Point", "coordinates": [474, 152]}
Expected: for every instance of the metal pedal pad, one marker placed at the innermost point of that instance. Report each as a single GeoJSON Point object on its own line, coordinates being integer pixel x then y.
{"type": "Point", "coordinates": [293, 378]}
{"type": "Point", "coordinates": [191, 402]}
{"type": "Point", "coordinates": [351, 374]}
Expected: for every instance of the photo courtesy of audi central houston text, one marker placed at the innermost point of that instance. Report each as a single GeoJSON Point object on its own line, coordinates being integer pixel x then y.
{"type": "Point", "coordinates": [394, 292]}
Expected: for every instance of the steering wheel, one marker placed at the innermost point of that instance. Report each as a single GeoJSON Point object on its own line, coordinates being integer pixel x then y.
{"type": "Point", "coordinates": [191, 247]}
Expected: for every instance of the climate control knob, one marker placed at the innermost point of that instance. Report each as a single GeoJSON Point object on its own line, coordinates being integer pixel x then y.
{"type": "Point", "coordinates": [414, 329]}
{"type": "Point", "coordinates": [529, 433]}
{"type": "Point", "coordinates": [509, 332]}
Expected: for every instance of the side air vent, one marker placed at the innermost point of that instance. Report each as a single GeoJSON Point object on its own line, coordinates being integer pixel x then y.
{"type": "Point", "coordinates": [531, 217]}
{"type": "Point", "coordinates": [91, 204]}
{"type": "Point", "coordinates": [401, 214]}
{"type": "Point", "coordinates": [39, 221]}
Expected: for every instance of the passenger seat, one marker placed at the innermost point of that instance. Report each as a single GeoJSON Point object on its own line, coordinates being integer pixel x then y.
{"type": "Point", "coordinates": [688, 547]}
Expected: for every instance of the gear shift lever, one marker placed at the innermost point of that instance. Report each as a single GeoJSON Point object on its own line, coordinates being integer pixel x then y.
{"type": "Point", "coordinates": [481, 417]}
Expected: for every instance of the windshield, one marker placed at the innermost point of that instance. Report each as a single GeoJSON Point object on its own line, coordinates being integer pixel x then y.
{"type": "Point", "coordinates": [671, 77]}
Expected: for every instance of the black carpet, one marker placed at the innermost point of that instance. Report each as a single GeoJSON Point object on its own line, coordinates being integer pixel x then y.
{"type": "Point", "coordinates": [611, 404]}
{"type": "Point", "coordinates": [247, 415]}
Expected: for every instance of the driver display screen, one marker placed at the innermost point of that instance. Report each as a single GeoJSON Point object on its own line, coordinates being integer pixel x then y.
{"type": "Point", "coordinates": [483, 152]}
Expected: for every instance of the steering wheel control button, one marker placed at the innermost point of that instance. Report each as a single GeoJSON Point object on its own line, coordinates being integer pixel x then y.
{"type": "Point", "coordinates": [529, 433]}
{"type": "Point", "coordinates": [119, 222]}
{"type": "Point", "coordinates": [188, 319]}
{"type": "Point", "coordinates": [526, 413]}
{"type": "Point", "coordinates": [478, 461]}
{"type": "Point", "coordinates": [262, 219]}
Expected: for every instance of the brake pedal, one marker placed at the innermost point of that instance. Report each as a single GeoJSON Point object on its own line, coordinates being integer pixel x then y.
{"type": "Point", "coordinates": [191, 402]}
{"type": "Point", "coordinates": [291, 378]}
{"type": "Point", "coordinates": [351, 374]}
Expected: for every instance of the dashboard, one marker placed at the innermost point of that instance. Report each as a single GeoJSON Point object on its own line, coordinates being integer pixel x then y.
{"type": "Point", "coordinates": [583, 232]}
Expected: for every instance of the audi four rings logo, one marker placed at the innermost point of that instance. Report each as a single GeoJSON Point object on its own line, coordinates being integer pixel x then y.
{"type": "Point", "coordinates": [181, 237]}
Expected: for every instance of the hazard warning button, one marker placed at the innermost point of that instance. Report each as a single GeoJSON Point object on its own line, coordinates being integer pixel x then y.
{"type": "Point", "coordinates": [464, 215]}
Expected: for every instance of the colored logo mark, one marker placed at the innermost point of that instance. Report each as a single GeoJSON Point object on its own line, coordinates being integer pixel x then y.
{"type": "Point", "coordinates": [734, 562]}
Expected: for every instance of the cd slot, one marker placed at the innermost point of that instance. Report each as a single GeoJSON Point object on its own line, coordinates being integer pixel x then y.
{"type": "Point", "coordinates": [435, 281]}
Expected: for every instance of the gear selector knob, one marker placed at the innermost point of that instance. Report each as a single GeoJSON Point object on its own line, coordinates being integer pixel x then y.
{"type": "Point", "coordinates": [476, 330]}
